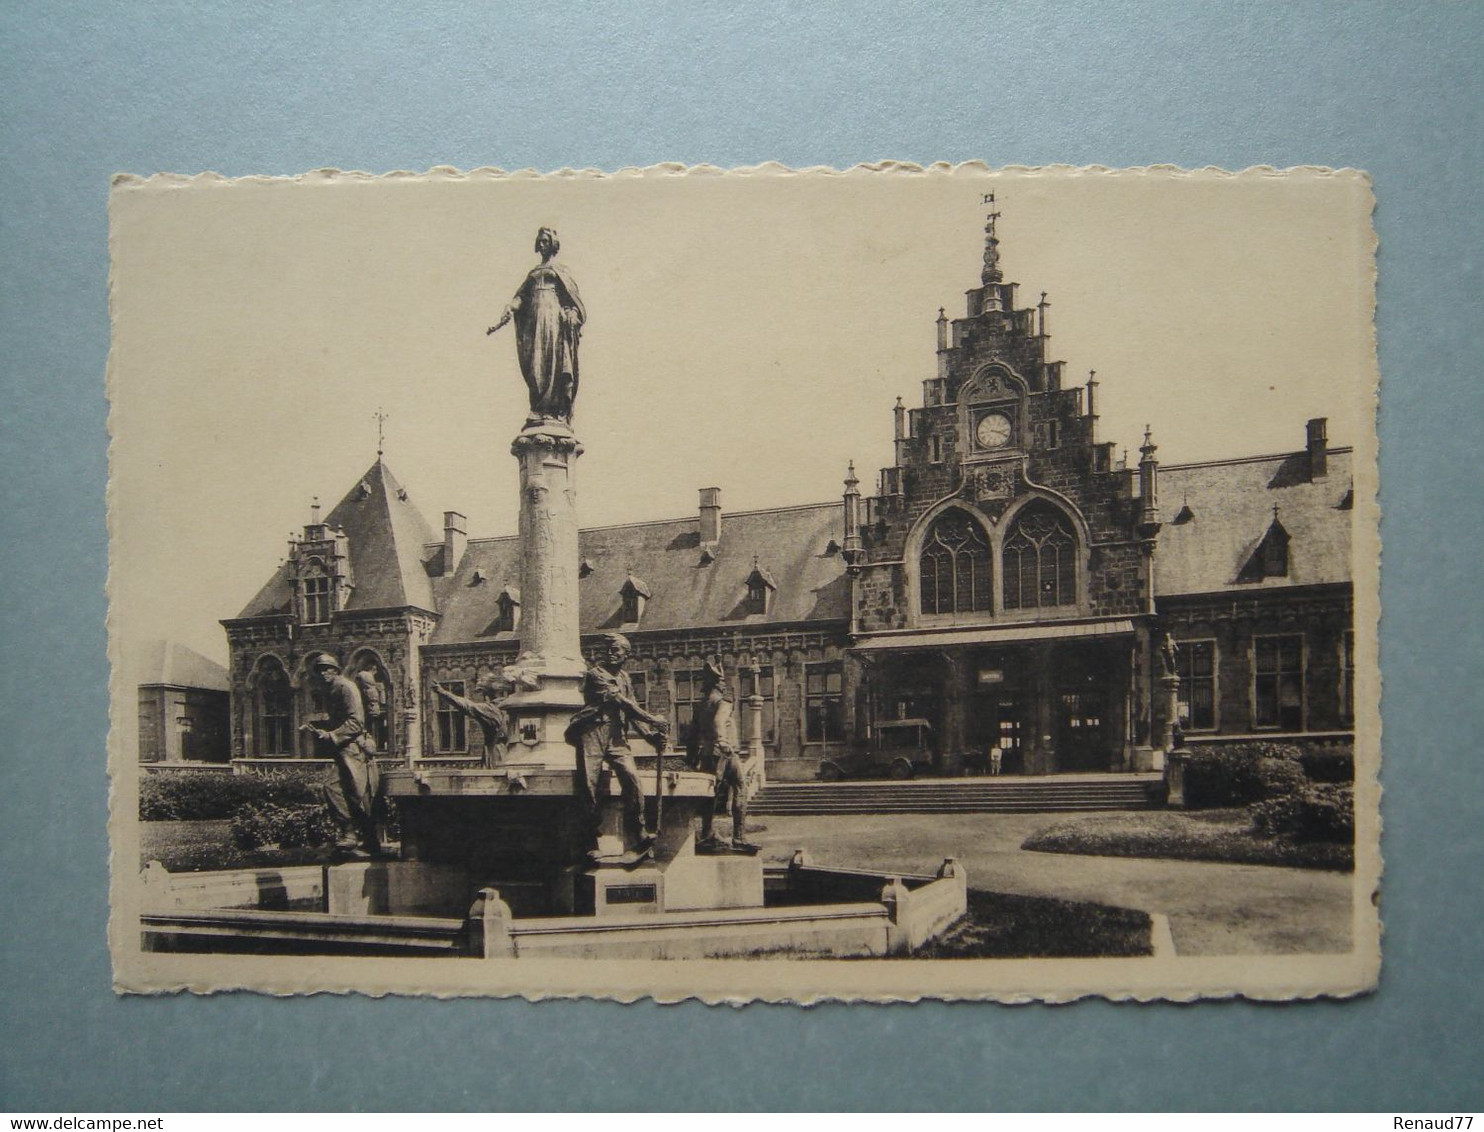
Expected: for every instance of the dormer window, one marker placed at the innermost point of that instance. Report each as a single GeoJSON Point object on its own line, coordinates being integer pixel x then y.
{"type": "Point", "coordinates": [507, 610]}
{"type": "Point", "coordinates": [1270, 559]}
{"type": "Point", "coordinates": [317, 602]}
{"type": "Point", "coordinates": [1275, 553]}
{"type": "Point", "coordinates": [634, 594]}
{"type": "Point", "coordinates": [760, 590]}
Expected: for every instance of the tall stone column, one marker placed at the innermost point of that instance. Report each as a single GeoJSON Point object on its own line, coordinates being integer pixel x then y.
{"type": "Point", "coordinates": [550, 667]}
{"type": "Point", "coordinates": [1168, 714]}
{"type": "Point", "coordinates": [752, 743]}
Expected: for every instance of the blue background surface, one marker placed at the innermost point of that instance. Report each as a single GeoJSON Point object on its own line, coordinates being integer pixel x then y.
{"type": "Point", "coordinates": [261, 88]}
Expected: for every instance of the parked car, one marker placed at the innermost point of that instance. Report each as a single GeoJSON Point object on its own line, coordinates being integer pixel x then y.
{"type": "Point", "coordinates": [898, 748]}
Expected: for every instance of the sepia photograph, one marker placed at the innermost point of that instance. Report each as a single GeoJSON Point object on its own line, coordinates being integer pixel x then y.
{"type": "Point", "coordinates": [895, 583]}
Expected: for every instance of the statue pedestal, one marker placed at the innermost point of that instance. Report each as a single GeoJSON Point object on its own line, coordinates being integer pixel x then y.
{"type": "Point", "coordinates": [550, 667]}
{"type": "Point", "coordinates": [1168, 715]}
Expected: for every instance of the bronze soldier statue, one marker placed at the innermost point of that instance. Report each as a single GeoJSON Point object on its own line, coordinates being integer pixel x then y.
{"type": "Point", "coordinates": [494, 724]}
{"type": "Point", "coordinates": [351, 795]}
{"type": "Point", "coordinates": [713, 748]}
{"type": "Point", "coordinates": [599, 732]}
{"type": "Point", "coordinates": [548, 317]}
{"type": "Point", "coordinates": [373, 699]}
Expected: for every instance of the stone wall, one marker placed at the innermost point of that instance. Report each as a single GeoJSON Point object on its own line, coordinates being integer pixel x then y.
{"type": "Point", "coordinates": [1321, 616]}
{"type": "Point", "coordinates": [388, 639]}
{"type": "Point", "coordinates": [658, 656]}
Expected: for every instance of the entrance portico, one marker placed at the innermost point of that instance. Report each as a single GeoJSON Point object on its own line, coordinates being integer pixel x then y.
{"type": "Point", "coordinates": [1052, 698]}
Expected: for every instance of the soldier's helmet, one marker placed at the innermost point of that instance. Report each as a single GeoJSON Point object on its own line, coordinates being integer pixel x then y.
{"type": "Point", "coordinates": [323, 660]}
{"type": "Point", "coordinates": [492, 683]}
{"type": "Point", "coordinates": [713, 670]}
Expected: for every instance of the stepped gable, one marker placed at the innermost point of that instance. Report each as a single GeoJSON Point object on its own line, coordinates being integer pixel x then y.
{"type": "Point", "coordinates": [689, 588]}
{"type": "Point", "coordinates": [1220, 512]}
{"type": "Point", "coordinates": [388, 540]}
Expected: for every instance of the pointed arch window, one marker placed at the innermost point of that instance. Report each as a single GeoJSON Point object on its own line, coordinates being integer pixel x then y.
{"type": "Point", "coordinates": [275, 706]}
{"type": "Point", "coordinates": [955, 566]}
{"type": "Point", "coordinates": [1040, 560]}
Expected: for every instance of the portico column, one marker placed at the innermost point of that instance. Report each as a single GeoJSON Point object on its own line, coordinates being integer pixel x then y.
{"type": "Point", "coordinates": [955, 712]}
{"type": "Point", "coordinates": [1043, 711]}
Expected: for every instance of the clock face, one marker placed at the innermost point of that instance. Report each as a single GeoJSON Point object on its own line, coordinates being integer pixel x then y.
{"type": "Point", "coordinates": [993, 430]}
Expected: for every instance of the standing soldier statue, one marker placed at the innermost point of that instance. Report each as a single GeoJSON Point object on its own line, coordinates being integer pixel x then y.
{"type": "Point", "coordinates": [712, 747]}
{"type": "Point", "coordinates": [351, 796]}
{"type": "Point", "coordinates": [599, 732]}
{"type": "Point", "coordinates": [491, 717]}
{"type": "Point", "coordinates": [373, 699]}
{"type": "Point", "coordinates": [548, 317]}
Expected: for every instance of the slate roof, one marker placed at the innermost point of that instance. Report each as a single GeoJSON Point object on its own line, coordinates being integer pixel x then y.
{"type": "Point", "coordinates": [169, 662]}
{"type": "Point", "coordinates": [1216, 515]}
{"type": "Point", "coordinates": [1229, 505]}
{"type": "Point", "coordinates": [684, 592]}
{"type": "Point", "coordinates": [389, 550]}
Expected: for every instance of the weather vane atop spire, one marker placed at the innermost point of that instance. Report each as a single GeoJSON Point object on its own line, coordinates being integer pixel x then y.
{"type": "Point", "coordinates": [991, 272]}
{"type": "Point", "coordinates": [380, 417]}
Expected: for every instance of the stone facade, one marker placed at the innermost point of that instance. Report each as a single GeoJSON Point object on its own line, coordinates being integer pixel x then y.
{"type": "Point", "coordinates": [183, 725]}
{"type": "Point", "coordinates": [1008, 580]}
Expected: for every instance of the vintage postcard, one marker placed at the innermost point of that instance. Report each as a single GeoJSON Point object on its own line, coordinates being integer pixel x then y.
{"type": "Point", "coordinates": [773, 585]}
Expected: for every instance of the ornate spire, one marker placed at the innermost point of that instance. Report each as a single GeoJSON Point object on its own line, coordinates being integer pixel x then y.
{"type": "Point", "coordinates": [991, 272]}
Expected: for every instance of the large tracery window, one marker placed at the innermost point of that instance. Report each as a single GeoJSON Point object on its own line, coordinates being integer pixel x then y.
{"type": "Point", "coordinates": [955, 566]}
{"type": "Point", "coordinates": [1040, 560]}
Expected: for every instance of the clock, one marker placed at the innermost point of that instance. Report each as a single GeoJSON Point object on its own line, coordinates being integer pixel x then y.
{"type": "Point", "coordinates": [993, 430]}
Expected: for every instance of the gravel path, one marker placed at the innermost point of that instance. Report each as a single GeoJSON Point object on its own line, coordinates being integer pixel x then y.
{"type": "Point", "coordinates": [1214, 909]}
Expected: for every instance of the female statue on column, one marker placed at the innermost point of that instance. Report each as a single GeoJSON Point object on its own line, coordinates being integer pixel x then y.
{"type": "Point", "coordinates": [548, 319]}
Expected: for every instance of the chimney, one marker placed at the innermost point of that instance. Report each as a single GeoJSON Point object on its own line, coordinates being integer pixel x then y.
{"type": "Point", "coordinates": [1318, 445]}
{"type": "Point", "coordinates": [710, 516]}
{"type": "Point", "coordinates": [455, 539]}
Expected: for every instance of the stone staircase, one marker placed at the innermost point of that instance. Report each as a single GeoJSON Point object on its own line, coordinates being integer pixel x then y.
{"type": "Point", "coordinates": [1003, 795]}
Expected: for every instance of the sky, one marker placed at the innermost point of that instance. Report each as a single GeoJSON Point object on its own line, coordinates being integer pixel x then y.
{"type": "Point", "coordinates": [746, 330]}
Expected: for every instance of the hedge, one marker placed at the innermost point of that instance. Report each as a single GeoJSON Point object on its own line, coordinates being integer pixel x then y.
{"type": "Point", "coordinates": [1330, 764]}
{"type": "Point", "coordinates": [216, 797]}
{"type": "Point", "coordinates": [1320, 813]}
{"type": "Point", "coordinates": [293, 826]}
{"type": "Point", "coordinates": [1240, 774]}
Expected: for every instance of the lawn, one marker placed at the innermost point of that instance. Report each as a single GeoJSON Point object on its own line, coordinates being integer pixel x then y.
{"type": "Point", "coordinates": [1204, 835]}
{"type": "Point", "coordinates": [197, 846]}
{"type": "Point", "coordinates": [1001, 926]}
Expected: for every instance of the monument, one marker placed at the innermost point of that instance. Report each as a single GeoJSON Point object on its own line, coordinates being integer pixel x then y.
{"type": "Point", "coordinates": [567, 840]}
{"type": "Point", "coordinates": [569, 814]}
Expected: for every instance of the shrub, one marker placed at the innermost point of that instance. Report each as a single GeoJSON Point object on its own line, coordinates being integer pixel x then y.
{"type": "Point", "coordinates": [215, 797]}
{"type": "Point", "coordinates": [1330, 764]}
{"type": "Point", "coordinates": [288, 827]}
{"type": "Point", "coordinates": [1241, 773]}
{"type": "Point", "coordinates": [1320, 813]}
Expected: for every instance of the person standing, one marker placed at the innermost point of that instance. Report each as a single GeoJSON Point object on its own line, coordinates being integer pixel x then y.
{"type": "Point", "coordinates": [599, 732]}
{"type": "Point", "coordinates": [351, 795]}
{"type": "Point", "coordinates": [713, 748]}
